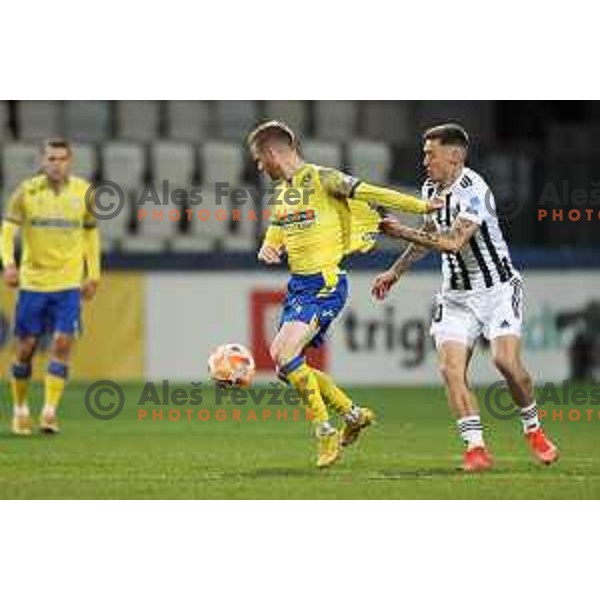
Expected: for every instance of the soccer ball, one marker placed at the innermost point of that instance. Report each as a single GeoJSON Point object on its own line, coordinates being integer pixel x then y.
{"type": "Point", "coordinates": [231, 365]}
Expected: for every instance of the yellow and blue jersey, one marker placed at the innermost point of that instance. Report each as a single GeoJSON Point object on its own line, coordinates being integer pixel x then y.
{"type": "Point", "coordinates": [333, 217]}
{"type": "Point", "coordinates": [55, 246]}
{"type": "Point", "coordinates": [317, 231]}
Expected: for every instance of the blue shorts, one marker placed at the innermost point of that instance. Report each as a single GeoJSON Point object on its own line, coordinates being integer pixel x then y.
{"type": "Point", "coordinates": [309, 298]}
{"type": "Point", "coordinates": [39, 313]}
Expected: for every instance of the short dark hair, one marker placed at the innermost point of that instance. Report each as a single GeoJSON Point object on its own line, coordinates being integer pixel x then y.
{"type": "Point", "coordinates": [448, 134]}
{"type": "Point", "coordinates": [57, 143]}
{"type": "Point", "coordinates": [272, 131]}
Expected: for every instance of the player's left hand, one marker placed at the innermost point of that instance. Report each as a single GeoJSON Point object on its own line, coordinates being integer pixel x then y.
{"type": "Point", "coordinates": [89, 289]}
{"type": "Point", "coordinates": [436, 203]}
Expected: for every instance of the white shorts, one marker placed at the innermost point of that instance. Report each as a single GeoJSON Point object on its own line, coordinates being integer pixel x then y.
{"type": "Point", "coordinates": [462, 316]}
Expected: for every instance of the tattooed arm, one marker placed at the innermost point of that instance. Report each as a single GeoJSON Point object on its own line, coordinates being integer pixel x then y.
{"type": "Point", "coordinates": [452, 241]}
{"type": "Point", "coordinates": [383, 283]}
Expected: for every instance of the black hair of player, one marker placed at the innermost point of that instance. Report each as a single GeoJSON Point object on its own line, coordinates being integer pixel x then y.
{"type": "Point", "coordinates": [448, 134]}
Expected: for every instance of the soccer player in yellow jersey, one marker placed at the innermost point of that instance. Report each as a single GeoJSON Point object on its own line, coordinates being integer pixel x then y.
{"type": "Point", "coordinates": [323, 215]}
{"type": "Point", "coordinates": [60, 263]}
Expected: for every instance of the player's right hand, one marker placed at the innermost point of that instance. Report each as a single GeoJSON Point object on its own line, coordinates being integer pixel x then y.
{"type": "Point", "coordinates": [269, 255]}
{"type": "Point", "coordinates": [11, 276]}
{"type": "Point", "coordinates": [383, 283]}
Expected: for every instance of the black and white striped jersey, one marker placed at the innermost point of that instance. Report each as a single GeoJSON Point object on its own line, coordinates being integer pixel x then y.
{"type": "Point", "coordinates": [485, 260]}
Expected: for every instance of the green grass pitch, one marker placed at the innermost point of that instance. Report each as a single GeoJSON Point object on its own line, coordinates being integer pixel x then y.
{"type": "Point", "coordinates": [412, 452]}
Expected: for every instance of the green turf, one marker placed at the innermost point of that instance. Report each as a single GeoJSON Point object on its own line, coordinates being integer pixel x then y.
{"type": "Point", "coordinates": [413, 452]}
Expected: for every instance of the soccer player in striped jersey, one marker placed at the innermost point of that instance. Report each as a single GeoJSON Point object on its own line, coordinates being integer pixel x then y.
{"type": "Point", "coordinates": [333, 219]}
{"type": "Point", "coordinates": [481, 292]}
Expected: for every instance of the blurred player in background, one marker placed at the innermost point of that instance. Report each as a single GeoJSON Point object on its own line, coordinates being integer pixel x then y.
{"type": "Point", "coordinates": [333, 219]}
{"type": "Point", "coordinates": [60, 245]}
{"type": "Point", "coordinates": [481, 292]}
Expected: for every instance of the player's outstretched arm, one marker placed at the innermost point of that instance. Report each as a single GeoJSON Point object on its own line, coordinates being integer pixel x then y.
{"type": "Point", "coordinates": [452, 241]}
{"type": "Point", "coordinates": [395, 200]}
{"type": "Point", "coordinates": [383, 283]}
{"type": "Point", "coordinates": [341, 185]}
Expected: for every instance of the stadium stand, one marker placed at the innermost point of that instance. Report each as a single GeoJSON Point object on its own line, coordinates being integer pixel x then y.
{"type": "Point", "coordinates": [87, 120]}
{"type": "Point", "coordinates": [199, 143]}
{"type": "Point", "coordinates": [336, 120]}
{"type": "Point", "coordinates": [38, 119]}
{"type": "Point", "coordinates": [138, 120]}
{"type": "Point", "coordinates": [188, 120]}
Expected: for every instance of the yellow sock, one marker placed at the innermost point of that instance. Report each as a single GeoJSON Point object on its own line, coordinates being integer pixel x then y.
{"type": "Point", "coordinates": [302, 377]}
{"type": "Point", "coordinates": [19, 382]}
{"type": "Point", "coordinates": [332, 393]}
{"type": "Point", "coordinates": [54, 383]}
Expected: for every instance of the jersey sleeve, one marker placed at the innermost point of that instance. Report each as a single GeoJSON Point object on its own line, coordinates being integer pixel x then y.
{"type": "Point", "coordinates": [15, 208]}
{"type": "Point", "coordinates": [426, 193]}
{"type": "Point", "coordinates": [274, 236]}
{"type": "Point", "coordinates": [338, 184]}
{"type": "Point", "coordinates": [476, 201]}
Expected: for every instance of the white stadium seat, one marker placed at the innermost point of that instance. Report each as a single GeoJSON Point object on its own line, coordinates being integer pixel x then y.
{"type": "Point", "coordinates": [235, 119]}
{"type": "Point", "coordinates": [138, 120]}
{"type": "Point", "coordinates": [116, 228]}
{"type": "Point", "coordinates": [221, 161]}
{"type": "Point", "coordinates": [388, 121]}
{"type": "Point", "coordinates": [85, 162]}
{"type": "Point", "coordinates": [124, 163]}
{"type": "Point", "coordinates": [212, 228]}
{"type": "Point", "coordinates": [325, 154]}
{"type": "Point", "coordinates": [173, 162]}
{"type": "Point", "coordinates": [143, 243]}
{"type": "Point", "coordinates": [241, 231]}
{"type": "Point", "coordinates": [336, 120]}
{"type": "Point", "coordinates": [189, 242]}
{"type": "Point", "coordinates": [19, 161]}
{"type": "Point", "coordinates": [291, 112]}
{"type": "Point", "coordinates": [153, 234]}
{"type": "Point", "coordinates": [38, 119]}
{"type": "Point", "coordinates": [87, 120]}
{"type": "Point", "coordinates": [188, 120]}
{"type": "Point", "coordinates": [370, 160]}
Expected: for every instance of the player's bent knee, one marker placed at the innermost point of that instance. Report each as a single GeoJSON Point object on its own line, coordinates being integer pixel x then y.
{"type": "Point", "coordinates": [25, 350]}
{"type": "Point", "coordinates": [61, 345]}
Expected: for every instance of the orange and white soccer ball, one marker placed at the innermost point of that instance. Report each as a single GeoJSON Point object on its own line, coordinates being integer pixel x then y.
{"type": "Point", "coordinates": [231, 365]}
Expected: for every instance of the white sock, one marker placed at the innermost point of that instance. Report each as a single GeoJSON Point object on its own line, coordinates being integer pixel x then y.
{"type": "Point", "coordinates": [529, 418]}
{"type": "Point", "coordinates": [21, 410]}
{"type": "Point", "coordinates": [471, 431]}
{"type": "Point", "coordinates": [353, 414]}
{"type": "Point", "coordinates": [325, 428]}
